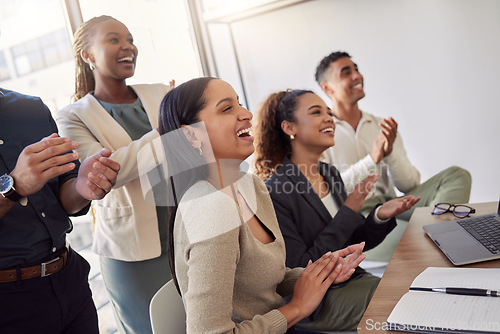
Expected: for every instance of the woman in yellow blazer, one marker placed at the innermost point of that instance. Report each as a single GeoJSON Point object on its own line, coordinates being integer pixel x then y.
{"type": "Point", "coordinates": [130, 232]}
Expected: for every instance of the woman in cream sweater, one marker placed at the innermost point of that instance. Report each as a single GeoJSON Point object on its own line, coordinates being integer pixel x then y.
{"type": "Point", "coordinates": [227, 252]}
{"type": "Point", "coordinates": [130, 232]}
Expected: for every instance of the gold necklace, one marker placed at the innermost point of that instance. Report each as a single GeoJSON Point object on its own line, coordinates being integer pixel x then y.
{"type": "Point", "coordinates": [312, 180]}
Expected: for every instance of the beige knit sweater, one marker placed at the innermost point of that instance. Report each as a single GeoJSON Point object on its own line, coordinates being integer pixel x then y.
{"type": "Point", "coordinates": [230, 281]}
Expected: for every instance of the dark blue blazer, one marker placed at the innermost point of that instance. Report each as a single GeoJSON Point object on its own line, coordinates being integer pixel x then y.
{"type": "Point", "coordinates": [307, 227]}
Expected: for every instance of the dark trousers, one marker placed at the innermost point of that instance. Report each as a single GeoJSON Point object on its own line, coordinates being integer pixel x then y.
{"type": "Point", "coordinates": [59, 303]}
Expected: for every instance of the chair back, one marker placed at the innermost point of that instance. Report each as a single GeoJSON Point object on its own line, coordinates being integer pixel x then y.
{"type": "Point", "coordinates": [167, 311]}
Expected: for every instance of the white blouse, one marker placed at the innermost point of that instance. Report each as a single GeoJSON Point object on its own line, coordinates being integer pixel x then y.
{"type": "Point", "coordinates": [330, 204]}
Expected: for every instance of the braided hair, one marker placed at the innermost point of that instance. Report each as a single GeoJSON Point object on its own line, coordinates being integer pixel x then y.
{"type": "Point", "coordinates": [84, 78]}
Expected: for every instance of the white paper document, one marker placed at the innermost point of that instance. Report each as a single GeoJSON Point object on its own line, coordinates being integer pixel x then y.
{"type": "Point", "coordinates": [426, 311]}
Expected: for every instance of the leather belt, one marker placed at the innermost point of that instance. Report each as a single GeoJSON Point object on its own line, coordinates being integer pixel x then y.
{"type": "Point", "coordinates": [41, 270]}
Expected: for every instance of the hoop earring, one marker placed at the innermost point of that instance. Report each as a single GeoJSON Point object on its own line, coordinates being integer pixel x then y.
{"type": "Point", "coordinates": [92, 66]}
{"type": "Point", "coordinates": [292, 137]}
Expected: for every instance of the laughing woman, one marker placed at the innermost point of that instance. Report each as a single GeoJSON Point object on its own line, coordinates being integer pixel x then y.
{"type": "Point", "coordinates": [228, 254]}
{"type": "Point", "coordinates": [130, 233]}
{"type": "Point", "coordinates": [315, 215]}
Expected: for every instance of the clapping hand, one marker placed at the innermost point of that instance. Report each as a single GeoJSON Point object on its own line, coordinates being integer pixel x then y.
{"type": "Point", "coordinates": [39, 162]}
{"type": "Point", "coordinates": [349, 258]}
{"type": "Point", "coordinates": [389, 129]}
{"type": "Point", "coordinates": [313, 283]}
{"type": "Point", "coordinates": [97, 175]}
{"type": "Point", "coordinates": [382, 145]}
{"type": "Point", "coordinates": [317, 277]}
{"type": "Point", "coordinates": [396, 206]}
{"type": "Point", "coordinates": [357, 196]}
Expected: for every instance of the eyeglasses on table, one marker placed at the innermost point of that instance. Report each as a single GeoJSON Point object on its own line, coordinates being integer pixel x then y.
{"type": "Point", "coordinates": [460, 210]}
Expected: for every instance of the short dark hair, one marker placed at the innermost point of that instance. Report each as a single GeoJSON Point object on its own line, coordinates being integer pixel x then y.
{"type": "Point", "coordinates": [325, 63]}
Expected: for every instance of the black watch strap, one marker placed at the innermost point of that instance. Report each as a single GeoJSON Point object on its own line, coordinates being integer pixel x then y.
{"type": "Point", "coordinates": [13, 195]}
{"type": "Point", "coordinates": [10, 193]}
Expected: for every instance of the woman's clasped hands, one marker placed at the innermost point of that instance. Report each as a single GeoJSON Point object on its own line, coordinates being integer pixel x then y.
{"type": "Point", "coordinates": [331, 268]}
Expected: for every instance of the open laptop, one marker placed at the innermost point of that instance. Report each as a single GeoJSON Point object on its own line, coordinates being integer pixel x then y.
{"type": "Point", "coordinates": [463, 242]}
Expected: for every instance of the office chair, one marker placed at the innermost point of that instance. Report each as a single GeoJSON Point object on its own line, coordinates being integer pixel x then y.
{"type": "Point", "coordinates": [167, 311]}
{"type": "Point", "coordinates": [168, 316]}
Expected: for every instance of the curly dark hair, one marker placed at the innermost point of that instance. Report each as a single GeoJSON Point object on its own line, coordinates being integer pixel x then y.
{"type": "Point", "coordinates": [325, 63]}
{"type": "Point", "coordinates": [271, 143]}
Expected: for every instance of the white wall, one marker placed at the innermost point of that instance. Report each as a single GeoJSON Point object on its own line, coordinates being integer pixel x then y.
{"type": "Point", "coordinates": [431, 64]}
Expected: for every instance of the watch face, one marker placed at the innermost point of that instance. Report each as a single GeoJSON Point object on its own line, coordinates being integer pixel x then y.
{"type": "Point", "coordinates": [5, 183]}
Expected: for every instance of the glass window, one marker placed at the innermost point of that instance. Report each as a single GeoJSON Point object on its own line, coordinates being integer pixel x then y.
{"type": "Point", "coordinates": [51, 55]}
{"type": "Point", "coordinates": [37, 56]}
{"type": "Point", "coordinates": [44, 51]}
{"type": "Point", "coordinates": [164, 40]}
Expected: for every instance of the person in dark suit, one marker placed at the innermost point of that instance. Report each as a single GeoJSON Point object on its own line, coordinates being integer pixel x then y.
{"type": "Point", "coordinates": [44, 282]}
{"type": "Point", "coordinates": [314, 212]}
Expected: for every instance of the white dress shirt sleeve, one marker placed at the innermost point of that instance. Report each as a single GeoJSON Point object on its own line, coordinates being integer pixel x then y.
{"type": "Point", "coordinates": [358, 171]}
{"type": "Point", "coordinates": [403, 174]}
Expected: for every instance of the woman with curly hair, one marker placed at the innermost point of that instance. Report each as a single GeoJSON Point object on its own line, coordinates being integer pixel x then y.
{"type": "Point", "coordinates": [314, 213]}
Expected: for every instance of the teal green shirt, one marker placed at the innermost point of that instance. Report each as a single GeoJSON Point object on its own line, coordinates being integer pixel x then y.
{"type": "Point", "coordinates": [134, 120]}
{"type": "Point", "coordinates": [132, 117]}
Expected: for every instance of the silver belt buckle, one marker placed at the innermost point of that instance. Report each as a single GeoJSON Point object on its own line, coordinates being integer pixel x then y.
{"type": "Point", "coordinates": [44, 265]}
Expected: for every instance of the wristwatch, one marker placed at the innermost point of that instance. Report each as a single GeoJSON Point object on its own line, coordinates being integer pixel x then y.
{"type": "Point", "coordinates": [7, 189]}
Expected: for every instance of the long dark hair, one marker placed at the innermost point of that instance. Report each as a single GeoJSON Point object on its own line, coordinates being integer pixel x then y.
{"type": "Point", "coordinates": [271, 143]}
{"type": "Point", "coordinates": [181, 106]}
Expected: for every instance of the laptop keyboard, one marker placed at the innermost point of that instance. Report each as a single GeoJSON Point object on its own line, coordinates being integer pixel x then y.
{"type": "Point", "coordinates": [486, 230]}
